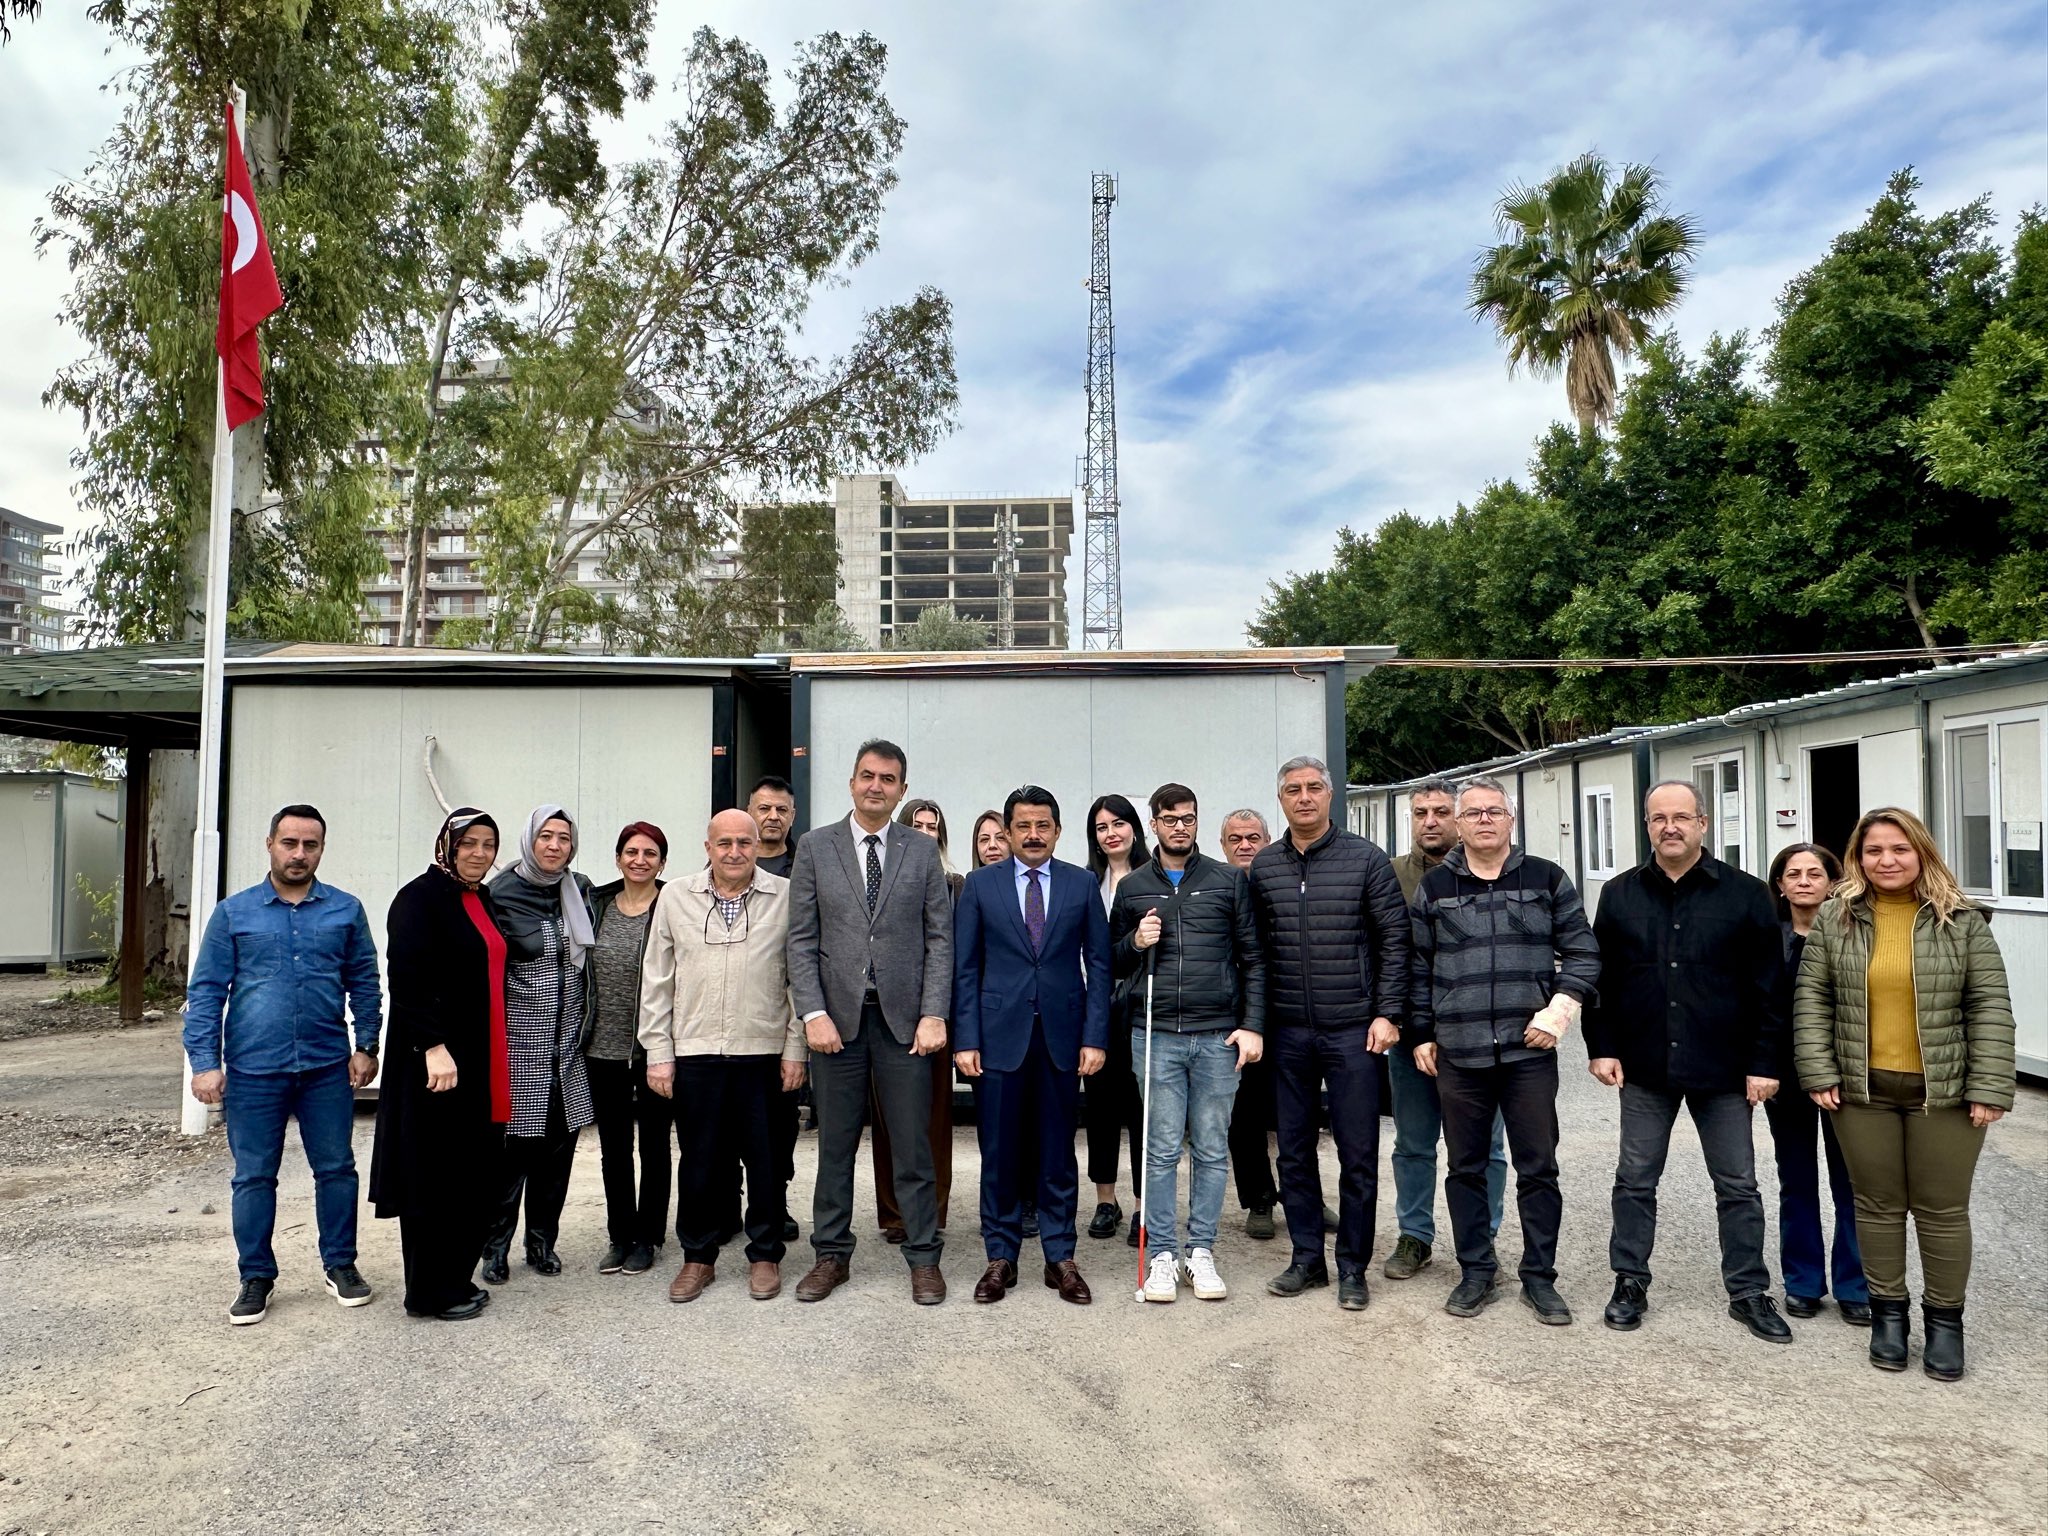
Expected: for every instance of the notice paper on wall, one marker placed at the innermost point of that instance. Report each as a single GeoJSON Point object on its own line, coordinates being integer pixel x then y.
{"type": "Point", "coordinates": [2023, 837]}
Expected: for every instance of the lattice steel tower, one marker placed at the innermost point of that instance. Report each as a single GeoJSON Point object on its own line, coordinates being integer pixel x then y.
{"type": "Point", "coordinates": [1102, 626]}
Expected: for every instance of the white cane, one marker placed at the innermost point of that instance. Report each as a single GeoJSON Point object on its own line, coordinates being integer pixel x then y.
{"type": "Point", "coordinates": [1145, 1129]}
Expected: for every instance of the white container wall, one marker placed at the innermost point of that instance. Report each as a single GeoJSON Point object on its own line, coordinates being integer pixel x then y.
{"type": "Point", "coordinates": [60, 844]}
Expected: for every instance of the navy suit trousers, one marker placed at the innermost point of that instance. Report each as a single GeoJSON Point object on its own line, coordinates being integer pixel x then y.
{"type": "Point", "coordinates": [1009, 1102]}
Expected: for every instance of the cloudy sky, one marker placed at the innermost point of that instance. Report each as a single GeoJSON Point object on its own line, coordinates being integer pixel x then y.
{"type": "Point", "coordinates": [1304, 187]}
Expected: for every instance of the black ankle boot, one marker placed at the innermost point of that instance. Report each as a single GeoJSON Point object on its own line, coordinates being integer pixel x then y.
{"type": "Point", "coordinates": [497, 1267]}
{"type": "Point", "coordinates": [1890, 1322]}
{"type": "Point", "coordinates": [541, 1256]}
{"type": "Point", "coordinates": [1943, 1357]}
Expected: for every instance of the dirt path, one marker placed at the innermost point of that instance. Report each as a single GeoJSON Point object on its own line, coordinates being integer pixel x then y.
{"type": "Point", "coordinates": [588, 1403]}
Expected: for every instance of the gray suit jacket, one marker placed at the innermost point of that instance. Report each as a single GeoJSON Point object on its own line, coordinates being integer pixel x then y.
{"type": "Point", "coordinates": [832, 942]}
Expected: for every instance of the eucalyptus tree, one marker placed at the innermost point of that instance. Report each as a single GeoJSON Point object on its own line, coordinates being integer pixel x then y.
{"type": "Point", "coordinates": [1588, 262]}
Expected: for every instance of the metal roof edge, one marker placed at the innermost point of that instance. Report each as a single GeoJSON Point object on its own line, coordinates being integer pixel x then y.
{"type": "Point", "coordinates": [1356, 660]}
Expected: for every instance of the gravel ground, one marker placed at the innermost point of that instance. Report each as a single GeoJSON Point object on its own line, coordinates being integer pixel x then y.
{"type": "Point", "coordinates": [588, 1403]}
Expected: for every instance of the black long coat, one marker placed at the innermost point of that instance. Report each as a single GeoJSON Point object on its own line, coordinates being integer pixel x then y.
{"type": "Point", "coordinates": [435, 1151]}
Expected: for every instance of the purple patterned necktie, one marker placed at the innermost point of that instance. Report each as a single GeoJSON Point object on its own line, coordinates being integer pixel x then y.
{"type": "Point", "coordinates": [1034, 910]}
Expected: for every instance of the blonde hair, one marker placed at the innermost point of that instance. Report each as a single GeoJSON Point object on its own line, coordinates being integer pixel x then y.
{"type": "Point", "coordinates": [1937, 886]}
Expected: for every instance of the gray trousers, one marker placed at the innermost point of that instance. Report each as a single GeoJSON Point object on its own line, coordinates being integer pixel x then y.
{"type": "Point", "coordinates": [902, 1089]}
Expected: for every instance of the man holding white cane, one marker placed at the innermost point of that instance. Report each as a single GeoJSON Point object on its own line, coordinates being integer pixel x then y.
{"type": "Point", "coordinates": [1182, 926]}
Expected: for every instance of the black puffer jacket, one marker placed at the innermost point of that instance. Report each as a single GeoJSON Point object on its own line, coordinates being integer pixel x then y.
{"type": "Point", "coordinates": [1335, 932]}
{"type": "Point", "coordinates": [1210, 972]}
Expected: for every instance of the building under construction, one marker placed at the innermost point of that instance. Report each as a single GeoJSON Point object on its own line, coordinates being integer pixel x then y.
{"type": "Point", "coordinates": [1000, 560]}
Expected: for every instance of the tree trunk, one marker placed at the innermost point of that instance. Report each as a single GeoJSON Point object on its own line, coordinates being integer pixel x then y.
{"type": "Point", "coordinates": [1919, 614]}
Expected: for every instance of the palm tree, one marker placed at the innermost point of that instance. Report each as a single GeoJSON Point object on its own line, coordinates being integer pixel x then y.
{"type": "Point", "coordinates": [1587, 263]}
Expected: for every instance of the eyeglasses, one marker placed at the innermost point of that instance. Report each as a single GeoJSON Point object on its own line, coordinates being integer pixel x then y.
{"type": "Point", "coordinates": [1176, 821]}
{"type": "Point", "coordinates": [734, 932]}
{"type": "Point", "coordinates": [1486, 813]}
{"type": "Point", "coordinates": [1680, 820]}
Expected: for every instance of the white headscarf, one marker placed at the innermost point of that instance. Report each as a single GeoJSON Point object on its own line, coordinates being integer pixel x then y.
{"type": "Point", "coordinates": [576, 925]}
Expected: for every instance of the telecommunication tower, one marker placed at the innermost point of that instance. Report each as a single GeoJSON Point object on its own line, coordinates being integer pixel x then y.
{"type": "Point", "coordinates": [1102, 627]}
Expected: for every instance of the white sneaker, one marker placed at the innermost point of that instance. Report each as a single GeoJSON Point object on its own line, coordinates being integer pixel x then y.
{"type": "Point", "coordinates": [1202, 1276]}
{"type": "Point", "coordinates": [1162, 1278]}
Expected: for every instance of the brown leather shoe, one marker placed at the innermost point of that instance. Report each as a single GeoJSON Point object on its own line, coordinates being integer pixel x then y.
{"type": "Point", "coordinates": [764, 1280]}
{"type": "Point", "coordinates": [995, 1281]}
{"type": "Point", "coordinates": [1065, 1277]}
{"type": "Point", "coordinates": [690, 1281]}
{"type": "Point", "coordinates": [927, 1285]}
{"type": "Point", "coordinates": [826, 1276]}
{"type": "Point", "coordinates": [894, 1236]}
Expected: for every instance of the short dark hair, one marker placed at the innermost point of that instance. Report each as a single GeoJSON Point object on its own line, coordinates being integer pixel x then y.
{"type": "Point", "coordinates": [646, 829]}
{"type": "Point", "coordinates": [884, 749]}
{"type": "Point", "coordinates": [1029, 794]}
{"type": "Point", "coordinates": [302, 813]}
{"type": "Point", "coordinates": [1167, 796]}
{"type": "Point", "coordinates": [775, 782]}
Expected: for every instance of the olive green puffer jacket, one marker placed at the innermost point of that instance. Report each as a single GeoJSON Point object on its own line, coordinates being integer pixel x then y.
{"type": "Point", "coordinates": [1963, 1011]}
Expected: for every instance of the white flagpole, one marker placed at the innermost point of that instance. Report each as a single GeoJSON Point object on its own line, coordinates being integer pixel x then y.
{"type": "Point", "coordinates": [206, 838]}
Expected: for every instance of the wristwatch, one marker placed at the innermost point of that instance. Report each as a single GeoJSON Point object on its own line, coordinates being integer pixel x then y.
{"type": "Point", "coordinates": [369, 1050]}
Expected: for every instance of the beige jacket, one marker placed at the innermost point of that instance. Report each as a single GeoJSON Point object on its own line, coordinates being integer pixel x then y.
{"type": "Point", "coordinates": [709, 991]}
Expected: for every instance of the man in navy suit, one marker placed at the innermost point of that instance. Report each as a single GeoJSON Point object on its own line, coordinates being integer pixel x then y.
{"type": "Point", "coordinates": [1025, 1022]}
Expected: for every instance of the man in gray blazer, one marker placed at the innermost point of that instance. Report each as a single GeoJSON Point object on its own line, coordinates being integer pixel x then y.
{"type": "Point", "coordinates": [871, 971]}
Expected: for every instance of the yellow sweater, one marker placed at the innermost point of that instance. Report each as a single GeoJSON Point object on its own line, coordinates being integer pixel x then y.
{"type": "Point", "coordinates": [1894, 1035]}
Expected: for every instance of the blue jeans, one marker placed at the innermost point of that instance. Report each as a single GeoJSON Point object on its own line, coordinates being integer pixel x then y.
{"type": "Point", "coordinates": [1798, 1127]}
{"type": "Point", "coordinates": [256, 1107]}
{"type": "Point", "coordinates": [1418, 1122]}
{"type": "Point", "coordinates": [1723, 1122]}
{"type": "Point", "coordinates": [1191, 1089]}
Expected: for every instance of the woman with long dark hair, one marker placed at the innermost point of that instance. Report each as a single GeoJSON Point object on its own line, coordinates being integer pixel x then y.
{"type": "Point", "coordinates": [1801, 877]}
{"type": "Point", "coordinates": [447, 1090]}
{"type": "Point", "coordinates": [543, 909]}
{"type": "Point", "coordinates": [626, 1108]}
{"type": "Point", "coordinates": [1902, 1031]}
{"type": "Point", "coordinates": [1111, 1105]}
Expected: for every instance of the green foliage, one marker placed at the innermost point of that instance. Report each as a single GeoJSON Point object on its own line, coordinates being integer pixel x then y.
{"type": "Point", "coordinates": [829, 631]}
{"type": "Point", "coordinates": [939, 628]}
{"type": "Point", "coordinates": [353, 113]}
{"type": "Point", "coordinates": [1588, 261]}
{"type": "Point", "coordinates": [1885, 487]}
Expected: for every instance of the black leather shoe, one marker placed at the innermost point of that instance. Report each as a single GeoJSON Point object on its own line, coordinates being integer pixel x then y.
{"type": "Point", "coordinates": [1030, 1219]}
{"type": "Point", "coordinates": [1625, 1308]}
{"type": "Point", "coordinates": [1296, 1278]}
{"type": "Point", "coordinates": [1801, 1306]}
{"type": "Point", "coordinates": [1109, 1215]}
{"type": "Point", "coordinates": [1759, 1314]}
{"type": "Point", "coordinates": [497, 1264]}
{"type": "Point", "coordinates": [1137, 1225]}
{"type": "Point", "coordinates": [790, 1230]}
{"type": "Point", "coordinates": [1472, 1295]}
{"type": "Point", "coordinates": [1352, 1294]}
{"type": "Point", "coordinates": [639, 1259]}
{"type": "Point", "coordinates": [1942, 1357]}
{"type": "Point", "coordinates": [541, 1257]}
{"type": "Point", "coordinates": [463, 1311]}
{"type": "Point", "coordinates": [1541, 1297]}
{"type": "Point", "coordinates": [1891, 1323]}
{"type": "Point", "coordinates": [1855, 1313]}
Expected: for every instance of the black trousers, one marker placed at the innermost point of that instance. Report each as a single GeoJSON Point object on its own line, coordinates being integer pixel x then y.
{"type": "Point", "coordinates": [1305, 1060]}
{"type": "Point", "coordinates": [1110, 1110]}
{"type": "Point", "coordinates": [1251, 1123]}
{"type": "Point", "coordinates": [786, 1116]}
{"type": "Point", "coordinates": [538, 1167]}
{"type": "Point", "coordinates": [874, 1061]}
{"type": "Point", "coordinates": [724, 1112]}
{"type": "Point", "coordinates": [628, 1111]}
{"type": "Point", "coordinates": [1525, 1095]}
{"type": "Point", "coordinates": [440, 1248]}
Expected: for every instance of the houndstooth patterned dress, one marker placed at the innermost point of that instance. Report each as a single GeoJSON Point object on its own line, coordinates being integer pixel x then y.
{"type": "Point", "coordinates": [543, 1024]}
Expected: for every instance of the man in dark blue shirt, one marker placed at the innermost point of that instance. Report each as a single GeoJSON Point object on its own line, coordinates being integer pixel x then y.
{"type": "Point", "coordinates": [266, 1004]}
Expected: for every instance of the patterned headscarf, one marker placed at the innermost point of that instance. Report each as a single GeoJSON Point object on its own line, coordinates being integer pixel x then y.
{"type": "Point", "coordinates": [459, 821]}
{"type": "Point", "coordinates": [578, 934]}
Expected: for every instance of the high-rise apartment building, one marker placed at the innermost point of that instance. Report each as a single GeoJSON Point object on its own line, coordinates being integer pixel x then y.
{"type": "Point", "coordinates": [30, 617]}
{"type": "Point", "coordinates": [1001, 560]}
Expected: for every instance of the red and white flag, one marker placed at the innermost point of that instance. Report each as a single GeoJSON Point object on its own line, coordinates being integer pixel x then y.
{"type": "Point", "coordinates": [248, 288]}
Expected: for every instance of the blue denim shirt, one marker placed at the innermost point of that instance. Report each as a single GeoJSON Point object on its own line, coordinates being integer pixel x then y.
{"type": "Point", "coordinates": [280, 972]}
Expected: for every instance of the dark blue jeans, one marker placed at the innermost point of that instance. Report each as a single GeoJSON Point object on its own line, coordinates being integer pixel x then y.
{"type": "Point", "coordinates": [256, 1107]}
{"type": "Point", "coordinates": [1798, 1126]}
{"type": "Point", "coordinates": [1305, 1059]}
{"type": "Point", "coordinates": [1723, 1123]}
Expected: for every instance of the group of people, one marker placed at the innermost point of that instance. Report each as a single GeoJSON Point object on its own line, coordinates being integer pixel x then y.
{"type": "Point", "coordinates": [1187, 1003]}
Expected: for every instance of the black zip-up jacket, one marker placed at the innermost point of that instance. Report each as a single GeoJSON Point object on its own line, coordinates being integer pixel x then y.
{"type": "Point", "coordinates": [1209, 972]}
{"type": "Point", "coordinates": [1491, 953]}
{"type": "Point", "coordinates": [1689, 996]}
{"type": "Point", "coordinates": [1335, 932]}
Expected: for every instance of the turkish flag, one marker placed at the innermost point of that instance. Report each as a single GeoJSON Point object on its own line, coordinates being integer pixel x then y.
{"type": "Point", "coordinates": [248, 288]}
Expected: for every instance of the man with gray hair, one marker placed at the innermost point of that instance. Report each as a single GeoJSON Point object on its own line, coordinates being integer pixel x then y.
{"type": "Point", "coordinates": [1418, 1116]}
{"type": "Point", "coordinates": [1504, 960]}
{"type": "Point", "coordinates": [1335, 934]}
